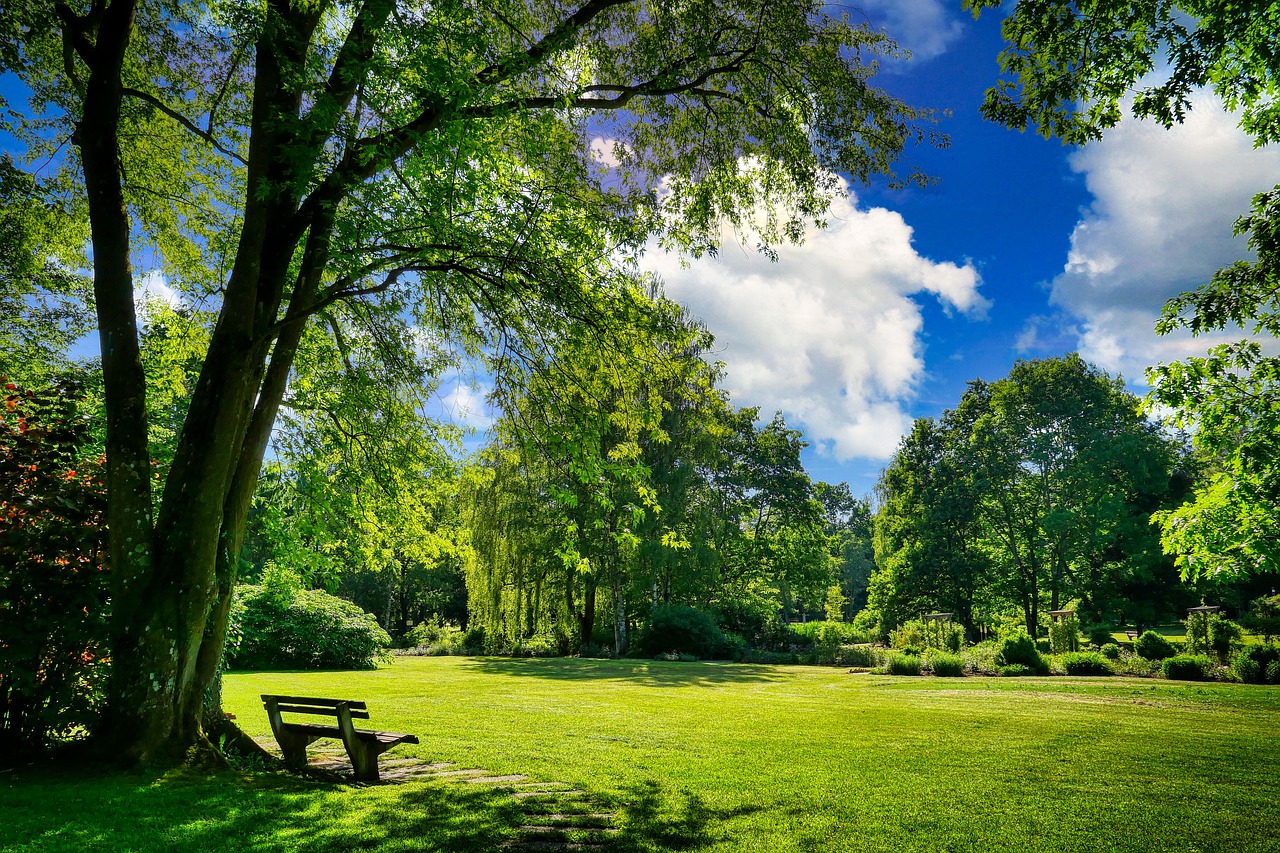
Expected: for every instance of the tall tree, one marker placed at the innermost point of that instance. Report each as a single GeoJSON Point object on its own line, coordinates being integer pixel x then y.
{"type": "Point", "coordinates": [267, 151]}
{"type": "Point", "coordinates": [1034, 491]}
{"type": "Point", "coordinates": [929, 541]}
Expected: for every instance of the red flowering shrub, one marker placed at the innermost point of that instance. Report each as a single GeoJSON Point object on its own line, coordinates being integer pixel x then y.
{"type": "Point", "coordinates": [53, 584]}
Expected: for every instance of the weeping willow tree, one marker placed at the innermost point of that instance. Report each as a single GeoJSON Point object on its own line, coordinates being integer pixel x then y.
{"type": "Point", "coordinates": [572, 505]}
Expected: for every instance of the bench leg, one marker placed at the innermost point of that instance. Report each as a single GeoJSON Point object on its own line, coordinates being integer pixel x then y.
{"type": "Point", "coordinates": [364, 760]}
{"type": "Point", "coordinates": [294, 747]}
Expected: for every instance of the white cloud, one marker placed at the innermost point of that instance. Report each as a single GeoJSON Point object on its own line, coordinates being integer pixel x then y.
{"type": "Point", "coordinates": [151, 287]}
{"type": "Point", "coordinates": [924, 27]}
{"type": "Point", "coordinates": [1161, 222]}
{"type": "Point", "coordinates": [829, 334]}
{"type": "Point", "coordinates": [462, 402]}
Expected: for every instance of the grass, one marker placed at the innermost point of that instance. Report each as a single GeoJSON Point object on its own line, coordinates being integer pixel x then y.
{"type": "Point", "coordinates": [696, 756]}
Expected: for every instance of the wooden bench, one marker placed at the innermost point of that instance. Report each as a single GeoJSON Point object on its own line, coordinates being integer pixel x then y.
{"type": "Point", "coordinates": [363, 745]}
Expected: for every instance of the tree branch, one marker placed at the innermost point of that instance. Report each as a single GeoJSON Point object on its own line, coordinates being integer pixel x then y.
{"type": "Point", "coordinates": [184, 121]}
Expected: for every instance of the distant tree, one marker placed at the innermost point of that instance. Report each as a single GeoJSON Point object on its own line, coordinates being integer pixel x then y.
{"type": "Point", "coordinates": [929, 532]}
{"type": "Point", "coordinates": [1034, 491]}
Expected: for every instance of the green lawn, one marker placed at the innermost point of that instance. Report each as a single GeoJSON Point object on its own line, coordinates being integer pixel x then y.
{"type": "Point", "coordinates": [725, 757]}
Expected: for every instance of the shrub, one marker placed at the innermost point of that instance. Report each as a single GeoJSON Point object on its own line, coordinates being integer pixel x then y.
{"type": "Point", "coordinates": [433, 637]}
{"type": "Point", "coordinates": [825, 634]}
{"type": "Point", "coordinates": [1085, 663]}
{"type": "Point", "coordinates": [54, 590]}
{"type": "Point", "coordinates": [900, 664]}
{"type": "Point", "coordinates": [278, 627]}
{"type": "Point", "coordinates": [981, 657]}
{"type": "Point", "coordinates": [1273, 672]}
{"type": "Point", "coordinates": [859, 656]}
{"type": "Point", "coordinates": [946, 665]}
{"type": "Point", "coordinates": [731, 647]}
{"type": "Point", "coordinates": [680, 628]}
{"type": "Point", "coordinates": [927, 635]}
{"type": "Point", "coordinates": [1110, 651]}
{"type": "Point", "coordinates": [1043, 646]}
{"type": "Point", "coordinates": [1098, 634]}
{"type": "Point", "coordinates": [767, 656]}
{"type": "Point", "coordinates": [1014, 670]}
{"type": "Point", "coordinates": [1187, 668]}
{"type": "Point", "coordinates": [909, 635]}
{"type": "Point", "coordinates": [1246, 669]}
{"type": "Point", "coordinates": [1152, 646]}
{"type": "Point", "coordinates": [1223, 635]}
{"type": "Point", "coordinates": [1020, 649]}
{"type": "Point", "coordinates": [1251, 665]}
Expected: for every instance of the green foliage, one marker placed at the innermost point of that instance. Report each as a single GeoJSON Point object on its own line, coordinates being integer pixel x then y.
{"type": "Point", "coordinates": [434, 637]}
{"type": "Point", "coordinates": [1264, 617]}
{"type": "Point", "coordinates": [945, 664]}
{"type": "Point", "coordinates": [45, 306]}
{"type": "Point", "coordinates": [680, 628]}
{"type": "Point", "coordinates": [1223, 636]}
{"type": "Point", "coordinates": [54, 595]}
{"type": "Point", "coordinates": [1110, 651]}
{"type": "Point", "coordinates": [1211, 633]}
{"type": "Point", "coordinates": [834, 604]}
{"type": "Point", "coordinates": [279, 625]}
{"type": "Point", "coordinates": [1189, 44]}
{"type": "Point", "coordinates": [1098, 634]}
{"type": "Point", "coordinates": [1020, 650]}
{"type": "Point", "coordinates": [1153, 646]}
{"type": "Point", "coordinates": [903, 664]}
{"type": "Point", "coordinates": [909, 634]}
{"type": "Point", "coordinates": [861, 656]}
{"type": "Point", "coordinates": [1257, 665]}
{"type": "Point", "coordinates": [1016, 670]}
{"type": "Point", "coordinates": [826, 633]}
{"type": "Point", "coordinates": [1015, 499]}
{"type": "Point", "coordinates": [1064, 635]}
{"type": "Point", "coordinates": [1085, 663]}
{"type": "Point", "coordinates": [1188, 668]}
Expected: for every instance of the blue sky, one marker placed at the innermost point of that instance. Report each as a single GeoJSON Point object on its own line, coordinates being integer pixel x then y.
{"type": "Point", "coordinates": [1023, 249]}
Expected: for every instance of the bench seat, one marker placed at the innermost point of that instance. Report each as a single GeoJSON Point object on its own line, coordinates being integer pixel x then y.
{"type": "Point", "coordinates": [363, 745]}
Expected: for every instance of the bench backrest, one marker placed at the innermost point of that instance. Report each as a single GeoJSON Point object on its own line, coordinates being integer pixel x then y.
{"type": "Point", "coordinates": [313, 705]}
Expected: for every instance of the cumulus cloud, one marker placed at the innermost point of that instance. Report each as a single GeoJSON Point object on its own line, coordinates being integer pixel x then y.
{"type": "Point", "coordinates": [1160, 223]}
{"type": "Point", "coordinates": [829, 333]}
{"type": "Point", "coordinates": [924, 27]}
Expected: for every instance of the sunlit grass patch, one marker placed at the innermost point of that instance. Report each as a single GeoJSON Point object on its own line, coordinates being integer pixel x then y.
{"type": "Point", "coordinates": [694, 756]}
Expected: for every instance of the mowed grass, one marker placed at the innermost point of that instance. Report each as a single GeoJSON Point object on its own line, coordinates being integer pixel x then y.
{"type": "Point", "coordinates": [724, 757]}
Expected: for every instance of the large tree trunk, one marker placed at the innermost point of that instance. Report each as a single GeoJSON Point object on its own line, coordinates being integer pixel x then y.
{"type": "Point", "coordinates": [243, 483]}
{"type": "Point", "coordinates": [159, 676]}
{"type": "Point", "coordinates": [141, 686]}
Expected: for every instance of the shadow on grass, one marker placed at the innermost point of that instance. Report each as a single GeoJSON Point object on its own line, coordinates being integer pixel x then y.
{"type": "Point", "coordinates": [65, 809]}
{"type": "Point", "coordinates": [648, 672]}
{"type": "Point", "coordinates": [681, 821]}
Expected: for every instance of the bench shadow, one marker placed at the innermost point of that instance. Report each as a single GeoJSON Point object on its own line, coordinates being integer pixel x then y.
{"type": "Point", "coordinates": [647, 672]}
{"type": "Point", "coordinates": [64, 809]}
